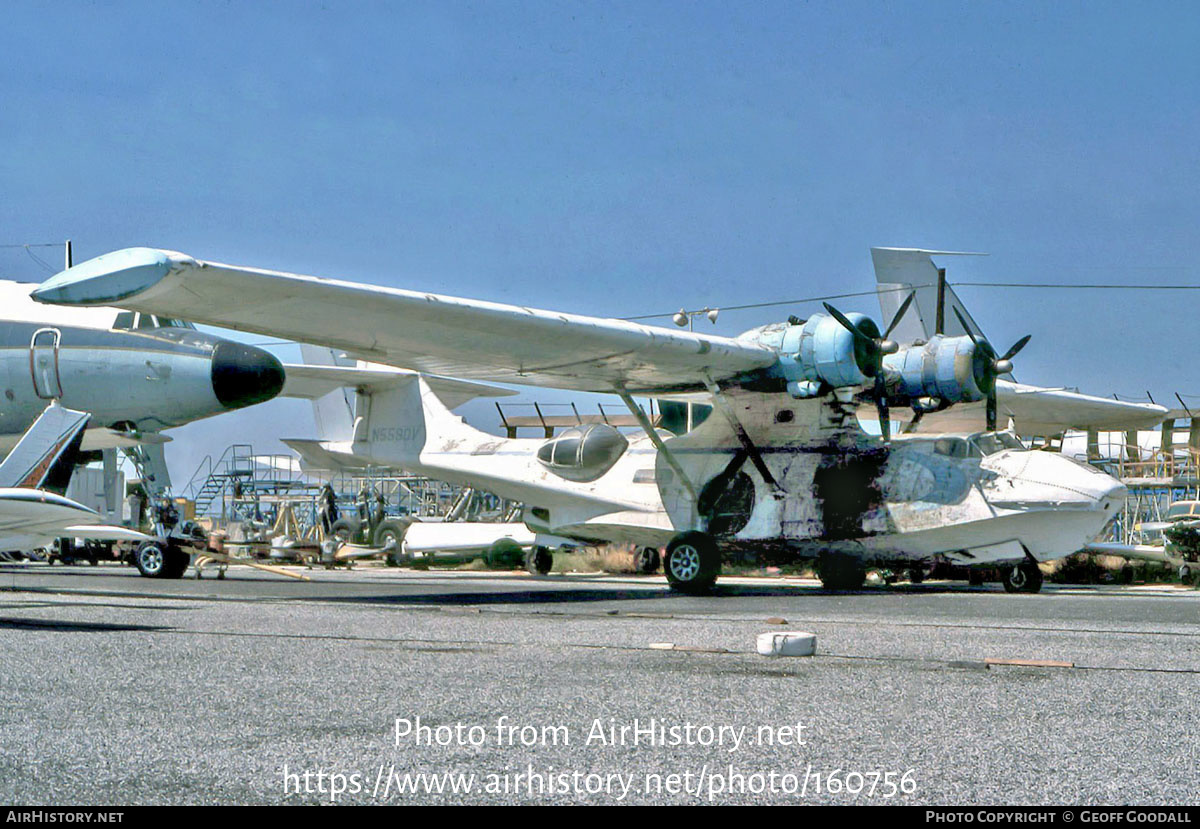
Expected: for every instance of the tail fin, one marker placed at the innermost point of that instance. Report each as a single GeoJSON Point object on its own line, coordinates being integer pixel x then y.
{"type": "Point", "coordinates": [900, 271]}
{"type": "Point", "coordinates": [45, 456]}
{"type": "Point", "coordinates": [340, 388]}
{"type": "Point", "coordinates": [400, 422]}
{"type": "Point", "coordinates": [333, 411]}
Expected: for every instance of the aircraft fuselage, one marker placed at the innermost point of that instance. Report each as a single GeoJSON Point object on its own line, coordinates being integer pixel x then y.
{"type": "Point", "coordinates": [125, 372]}
{"type": "Point", "coordinates": [828, 486]}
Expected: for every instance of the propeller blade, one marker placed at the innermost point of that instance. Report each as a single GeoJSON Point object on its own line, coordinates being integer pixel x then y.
{"type": "Point", "coordinates": [1017, 346]}
{"type": "Point", "coordinates": [963, 323]}
{"type": "Point", "coordinates": [912, 424]}
{"type": "Point", "coordinates": [845, 321]}
{"type": "Point", "coordinates": [881, 406]}
{"type": "Point", "coordinates": [899, 314]}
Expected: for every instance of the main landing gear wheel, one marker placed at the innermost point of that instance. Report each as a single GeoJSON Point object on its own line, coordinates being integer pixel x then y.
{"type": "Point", "coordinates": [388, 536]}
{"type": "Point", "coordinates": [692, 563]}
{"type": "Point", "coordinates": [345, 530]}
{"type": "Point", "coordinates": [646, 561]}
{"type": "Point", "coordinates": [1024, 577]}
{"type": "Point", "coordinates": [840, 573]}
{"type": "Point", "coordinates": [504, 554]}
{"type": "Point", "coordinates": [1187, 574]}
{"type": "Point", "coordinates": [538, 561]}
{"type": "Point", "coordinates": [156, 560]}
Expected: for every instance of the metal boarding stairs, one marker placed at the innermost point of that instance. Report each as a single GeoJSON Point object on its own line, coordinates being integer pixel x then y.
{"type": "Point", "coordinates": [212, 478]}
{"type": "Point", "coordinates": [240, 473]}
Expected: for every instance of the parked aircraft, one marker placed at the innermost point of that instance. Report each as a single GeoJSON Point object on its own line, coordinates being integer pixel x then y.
{"type": "Point", "coordinates": [136, 374]}
{"type": "Point", "coordinates": [782, 468]}
{"type": "Point", "coordinates": [33, 510]}
{"type": "Point", "coordinates": [1178, 542]}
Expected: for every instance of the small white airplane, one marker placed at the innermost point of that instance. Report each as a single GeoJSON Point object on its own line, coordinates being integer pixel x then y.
{"type": "Point", "coordinates": [33, 511]}
{"type": "Point", "coordinates": [782, 469]}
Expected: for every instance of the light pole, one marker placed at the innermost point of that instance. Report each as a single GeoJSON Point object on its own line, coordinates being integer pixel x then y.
{"type": "Point", "coordinates": [688, 318]}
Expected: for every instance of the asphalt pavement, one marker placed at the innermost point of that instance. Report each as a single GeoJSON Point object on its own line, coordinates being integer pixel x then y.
{"type": "Point", "coordinates": [391, 686]}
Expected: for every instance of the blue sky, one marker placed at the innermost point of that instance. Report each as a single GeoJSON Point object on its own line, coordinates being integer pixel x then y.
{"type": "Point", "coordinates": [627, 158]}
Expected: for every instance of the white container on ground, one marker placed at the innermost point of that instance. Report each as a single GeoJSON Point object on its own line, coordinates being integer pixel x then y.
{"type": "Point", "coordinates": [796, 643]}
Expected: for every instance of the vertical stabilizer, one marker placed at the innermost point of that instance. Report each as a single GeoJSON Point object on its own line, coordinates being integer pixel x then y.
{"type": "Point", "coordinates": [333, 412]}
{"type": "Point", "coordinates": [45, 456]}
{"type": "Point", "coordinates": [901, 271]}
{"type": "Point", "coordinates": [405, 419]}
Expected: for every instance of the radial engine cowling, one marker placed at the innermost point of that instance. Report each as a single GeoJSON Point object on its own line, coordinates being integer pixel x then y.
{"type": "Point", "coordinates": [951, 369]}
{"type": "Point", "coordinates": [820, 353]}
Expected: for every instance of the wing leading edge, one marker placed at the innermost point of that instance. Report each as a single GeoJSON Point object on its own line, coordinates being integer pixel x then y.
{"type": "Point", "coordinates": [431, 333]}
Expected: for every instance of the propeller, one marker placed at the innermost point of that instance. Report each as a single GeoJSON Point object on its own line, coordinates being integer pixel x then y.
{"type": "Point", "coordinates": [988, 366]}
{"type": "Point", "coordinates": [869, 350]}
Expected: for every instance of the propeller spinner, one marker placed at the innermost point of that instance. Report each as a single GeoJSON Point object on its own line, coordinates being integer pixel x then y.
{"type": "Point", "coordinates": [871, 350]}
{"type": "Point", "coordinates": [989, 366]}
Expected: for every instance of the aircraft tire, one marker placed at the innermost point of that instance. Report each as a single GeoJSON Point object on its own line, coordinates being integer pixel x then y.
{"type": "Point", "coordinates": [1024, 577]}
{"type": "Point", "coordinates": [916, 575]}
{"type": "Point", "coordinates": [839, 573]}
{"type": "Point", "coordinates": [692, 563]}
{"type": "Point", "coordinates": [345, 530]}
{"type": "Point", "coordinates": [504, 554]}
{"type": "Point", "coordinates": [157, 560]}
{"type": "Point", "coordinates": [391, 532]}
{"type": "Point", "coordinates": [539, 560]}
{"type": "Point", "coordinates": [1186, 574]}
{"type": "Point", "coordinates": [646, 561]}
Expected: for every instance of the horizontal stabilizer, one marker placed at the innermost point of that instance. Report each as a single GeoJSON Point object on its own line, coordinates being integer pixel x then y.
{"type": "Point", "coordinates": [312, 382]}
{"type": "Point", "coordinates": [315, 457]}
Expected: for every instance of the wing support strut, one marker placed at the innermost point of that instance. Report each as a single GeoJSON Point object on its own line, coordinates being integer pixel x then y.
{"type": "Point", "coordinates": [756, 457]}
{"type": "Point", "coordinates": [657, 440]}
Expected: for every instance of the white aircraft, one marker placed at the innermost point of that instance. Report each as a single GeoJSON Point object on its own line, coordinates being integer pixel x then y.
{"type": "Point", "coordinates": [783, 468]}
{"type": "Point", "coordinates": [33, 510]}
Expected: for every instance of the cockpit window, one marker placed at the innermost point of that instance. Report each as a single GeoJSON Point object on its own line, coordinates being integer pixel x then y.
{"type": "Point", "coordinates": [950, 447]}
{"type": "Point", "coordinates": [992, 442]}
{"type": "Point", "coordinates": [128, 321]}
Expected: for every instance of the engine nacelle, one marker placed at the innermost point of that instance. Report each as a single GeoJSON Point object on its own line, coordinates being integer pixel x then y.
{"type": "Point", "coordinates": [951, 369]}
{"type": "Point", "coordinates": [818, 354]}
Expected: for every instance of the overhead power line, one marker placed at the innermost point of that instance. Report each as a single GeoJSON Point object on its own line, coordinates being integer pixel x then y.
{"type": "Point", "coordinates": [1111, 286]}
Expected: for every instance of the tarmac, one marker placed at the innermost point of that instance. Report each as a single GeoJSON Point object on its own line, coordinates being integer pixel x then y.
{"type": "Point", "coordinates": [387, 686]}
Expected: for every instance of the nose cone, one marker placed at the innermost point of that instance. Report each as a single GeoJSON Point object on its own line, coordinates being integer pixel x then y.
{"type": "Point", "coordinates": [243, 375]}
{"type": "Point", "coordinates": [1111, 493]}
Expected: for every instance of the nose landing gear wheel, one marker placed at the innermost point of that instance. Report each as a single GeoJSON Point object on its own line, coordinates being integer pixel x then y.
{"type": "Point", "coordinates": [692, 563]}
{"type": "Point", "coordinates": [1023, 578]}
{"type": "Point", "coordinates": [156, 560]}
